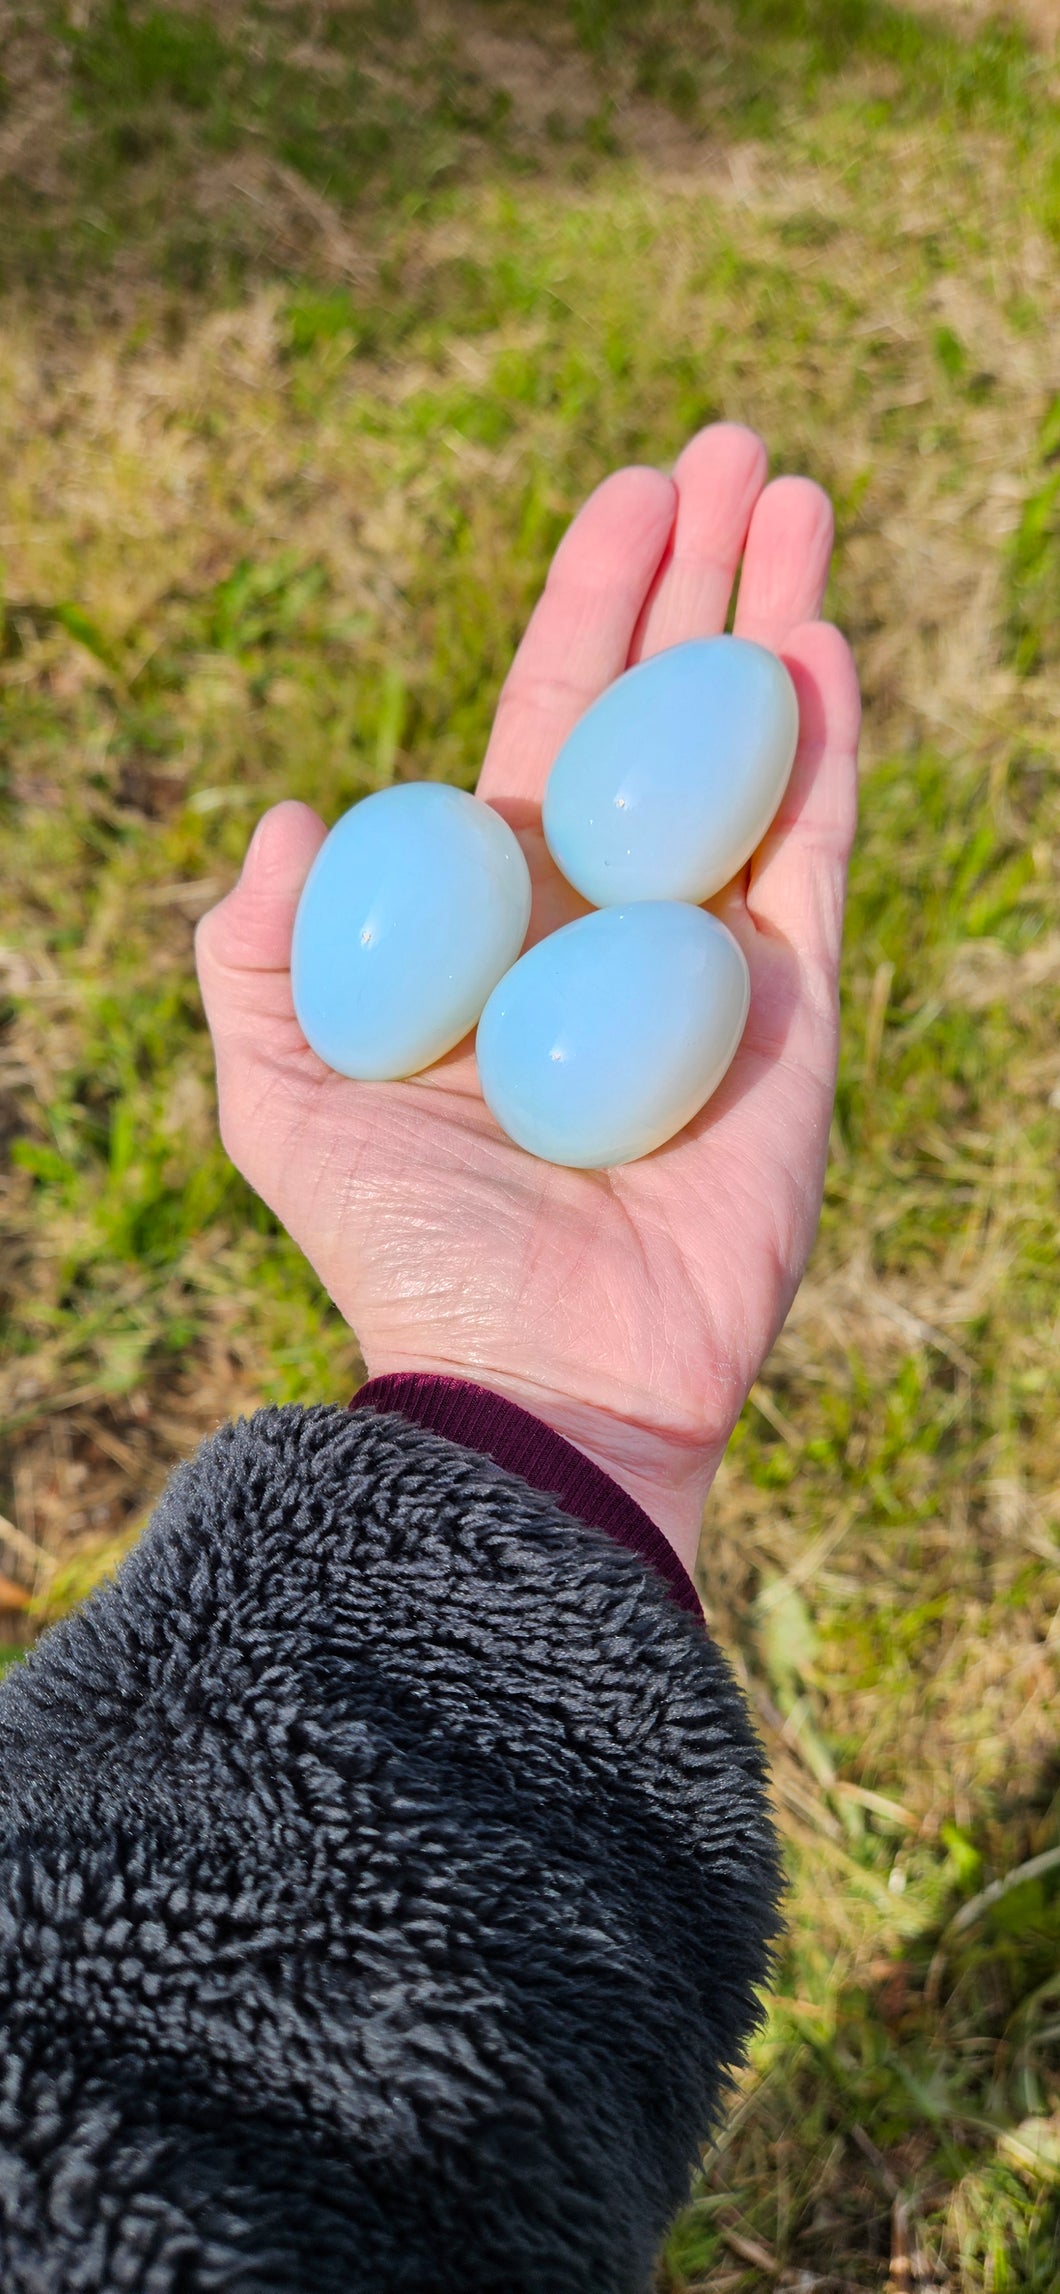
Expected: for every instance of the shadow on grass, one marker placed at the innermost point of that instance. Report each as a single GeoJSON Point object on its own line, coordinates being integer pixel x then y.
{"type": "Point", "coordinates": [200, 150]}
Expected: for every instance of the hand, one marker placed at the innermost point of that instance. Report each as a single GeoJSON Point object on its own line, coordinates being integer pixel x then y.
{"type": "Point", "coordinates": [631, 1309]}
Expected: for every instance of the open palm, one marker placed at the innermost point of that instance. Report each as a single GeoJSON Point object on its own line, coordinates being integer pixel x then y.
{"type": "Point", "coordinates": [630, 1308]}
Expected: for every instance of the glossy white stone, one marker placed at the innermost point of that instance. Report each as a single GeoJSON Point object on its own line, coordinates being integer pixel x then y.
{"type": "Point", "coordinates": [413, 909]}
{"type": "Point", "coordinates": [606, 1038]}
{"type": "Point", "coordinates": [670, 780]}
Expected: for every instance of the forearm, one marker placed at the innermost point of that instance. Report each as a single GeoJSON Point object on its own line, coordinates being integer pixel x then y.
{"type": "Point", "coordinates": [669, 1476]}
{"type": "Point", "coordinates": [334, 1834]}
{"type": "Point", "coordinates": [596, 1469]}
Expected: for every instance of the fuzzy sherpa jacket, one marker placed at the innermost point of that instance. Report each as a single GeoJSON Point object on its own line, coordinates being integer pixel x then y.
{"type": "Point", "coordinates": [385, 1875]}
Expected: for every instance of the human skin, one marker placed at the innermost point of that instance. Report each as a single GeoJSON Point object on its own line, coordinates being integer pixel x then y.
{"type": "Point", "coordinates": [631, 1309]}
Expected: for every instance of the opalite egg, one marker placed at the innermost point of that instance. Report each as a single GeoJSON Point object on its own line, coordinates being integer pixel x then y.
{"type": "Point", "coordinates": [606, 1038]}
{"type": "Point", "coordinates": [413, 909]}
{"type": "Point", "coordinates": [671, 779]}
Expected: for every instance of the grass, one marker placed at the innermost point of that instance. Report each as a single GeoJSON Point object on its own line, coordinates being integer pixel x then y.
{"type": "Point", "coordinates": [319, 323]}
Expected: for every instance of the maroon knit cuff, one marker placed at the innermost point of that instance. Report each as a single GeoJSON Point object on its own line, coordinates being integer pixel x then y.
{"type": "Point", "coordinates": [522, 1444]}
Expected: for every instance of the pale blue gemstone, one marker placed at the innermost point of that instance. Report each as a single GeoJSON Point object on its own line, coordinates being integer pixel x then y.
{"type": "Point", "coordinates": [671, 779]}
{"type": "Point", "coordinates": [412, 911]}
{"type": "Point", "coordinates": [606, 1038]}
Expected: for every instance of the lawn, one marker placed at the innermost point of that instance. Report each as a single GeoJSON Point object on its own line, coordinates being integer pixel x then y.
{"type": "Point", "coordinates": [319, 321]}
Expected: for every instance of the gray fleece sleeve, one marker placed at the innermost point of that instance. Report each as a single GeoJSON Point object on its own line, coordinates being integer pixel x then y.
{"type": "Point", "coordinates": [385, 1875]}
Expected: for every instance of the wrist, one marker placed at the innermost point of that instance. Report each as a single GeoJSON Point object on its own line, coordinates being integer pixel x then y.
{"type": "Point", "coordinates": [669, 1479]}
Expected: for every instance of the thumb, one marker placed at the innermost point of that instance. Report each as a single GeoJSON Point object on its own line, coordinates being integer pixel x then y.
{"type": "Point", "coordinates": [243, 946]}
{"type": "Point", "coordinates": [250, 929]}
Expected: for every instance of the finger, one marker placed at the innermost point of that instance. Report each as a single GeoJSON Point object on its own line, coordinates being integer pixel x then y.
{"type": "Point", "coordinates": [579, 635]}
{"type": "Point", "coordinates": [797, 879]}
{"type": "Point", "coordinates": [785, 566]}
{"type": "Point", "coordinates": [243, 946]}
{"type": "Point", "coordinates": [719, 478]}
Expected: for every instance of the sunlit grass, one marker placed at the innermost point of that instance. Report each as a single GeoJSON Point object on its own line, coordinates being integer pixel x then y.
{"type": "Point", "coordinates": [340, 317]}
